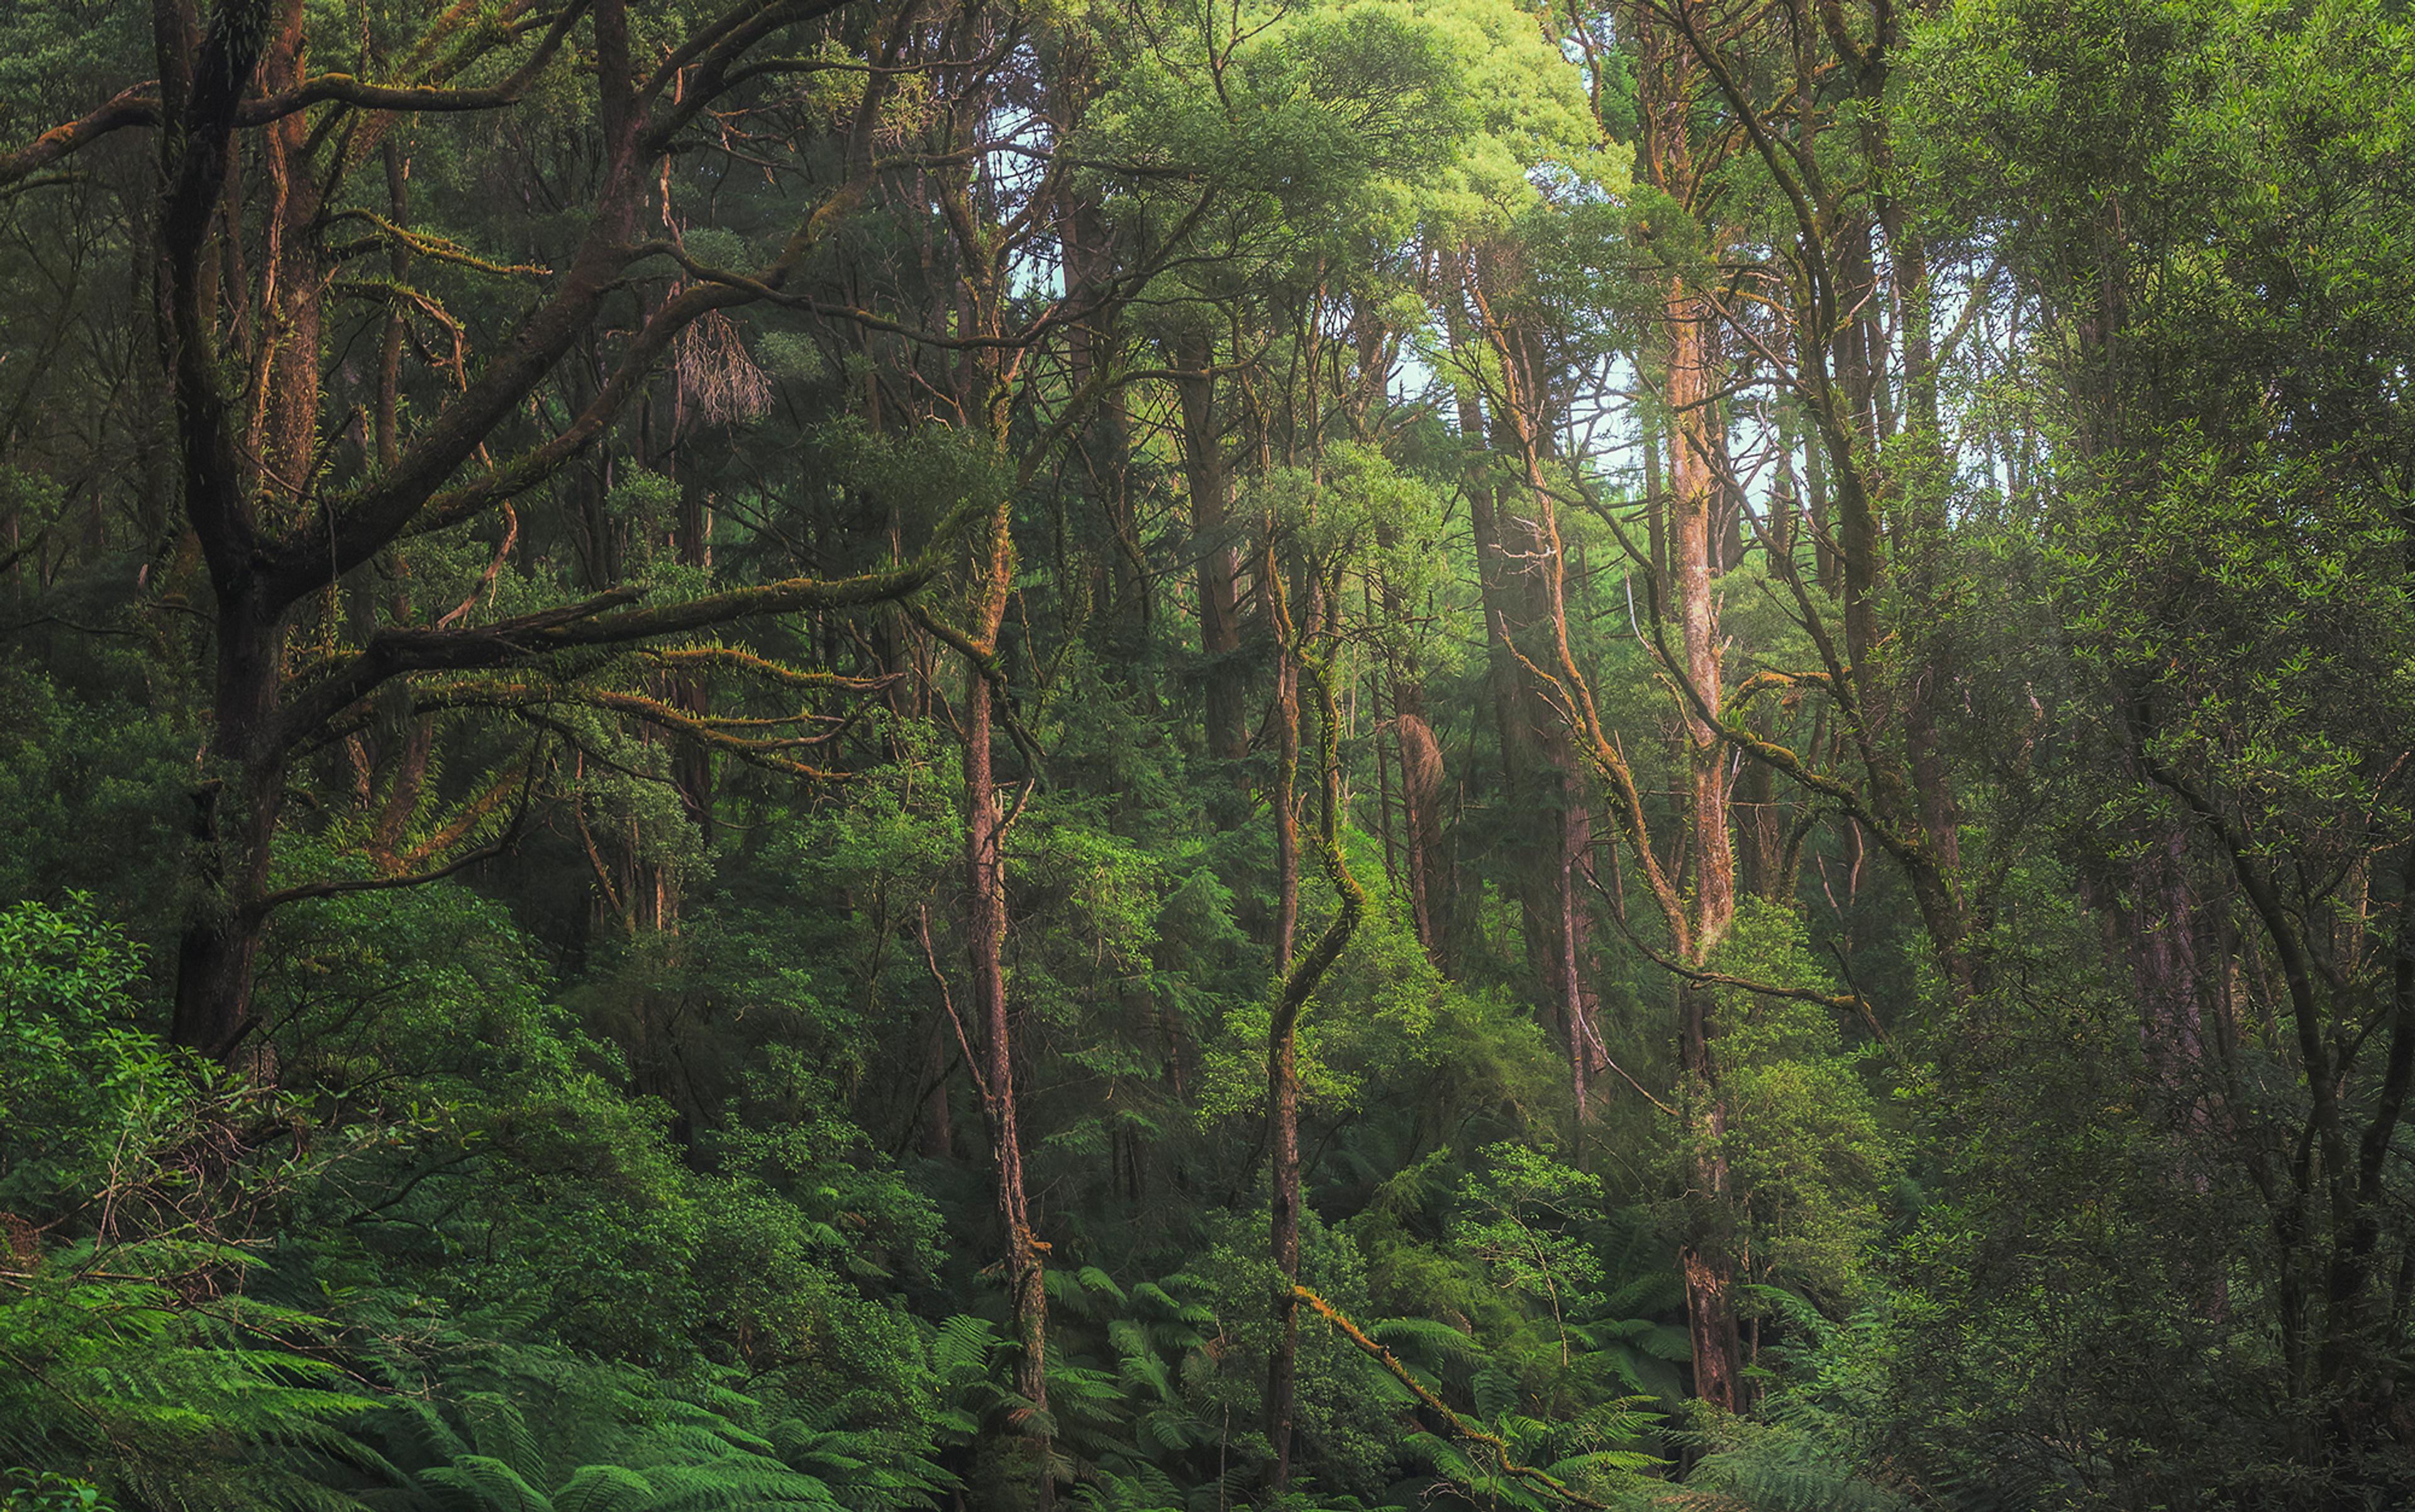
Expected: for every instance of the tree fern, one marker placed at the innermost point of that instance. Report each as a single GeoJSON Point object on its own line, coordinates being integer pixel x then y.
{"type": "Point", "coordinates": [1424, 1338]}
{"type": "Point", "coordinates": [481, 1483]}
{"type": "Point", "coordinates": [602, 1488]}
{"type": "Point", "coordinates": [735, 1483]}
{"type": "Point", "coordinates": [1494, 1391]}
{"type": "Point", "coordinates": [499, 1431]}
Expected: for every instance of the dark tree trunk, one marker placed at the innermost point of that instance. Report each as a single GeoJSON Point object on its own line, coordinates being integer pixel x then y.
{"type": "Point", "coordinates": [1299, 980]}
{"type": "Point", "coordinates": [236, 811]}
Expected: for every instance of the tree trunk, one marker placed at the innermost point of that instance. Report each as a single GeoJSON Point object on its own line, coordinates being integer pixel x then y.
{"type": "Point", "coordinates": [1668, 82]}
{"type": "Point", "coordinates": [237, 810]}
{"type": "Point", "coordinates": [985, 946]}
{"type": "Point", "coordinates": [1283, 1217]}
{"type": "Point", "coordinates": [1299, 980]}
{"type": "Point", "coordinates": [1924, 481]}
{"type": "Point", "coordinates": [1286, 796]}
{"type": "Point", "coordinates": [1708, 1259]}
{"type": "Point", "coordinates": [1544, 823]}
{"type": "Point", "coordinates": [1210, 488]}
{"type": "Point", "coordinates": [935, 1133]}
{"type": "Point", "coordinates": [285, 411]}
{"type": "Point", "coordinates": [1432, 889]}
{"type": "Point", "coordinates": [1705, 1256]}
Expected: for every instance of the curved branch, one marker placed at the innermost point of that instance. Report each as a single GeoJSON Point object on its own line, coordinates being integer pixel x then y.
{"type": "Point", "coordinates": [600, 622]}
{"type": "Point", "coordinates": [139, 105]}
{"type": "Point", "coordinates": [763, 667]}
{"type": "Point", "coordinates": [131, 107]}
{"type": "Point", "coordinates": [754, 751]}
{"type": "Point", "coordinates": [262, 908]}
{"type": "Point", "coordinates": [348, 89]}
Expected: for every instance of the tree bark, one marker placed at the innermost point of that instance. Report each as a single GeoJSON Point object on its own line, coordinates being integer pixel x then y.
{"type": "Point", "coordinates": [1299, 981]}
{"type": "Point", "coordinates": [1669, 78]}
{"type": "Point", "coordinates": [1544, 824]}
{"type": "Point", "coordinates": [985, 946]}
{"type": "Point", "coordinates": [1210, 488]}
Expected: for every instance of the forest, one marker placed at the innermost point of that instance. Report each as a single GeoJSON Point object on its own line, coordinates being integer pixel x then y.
{"type": "Point", "coordinates": [1189, 756]}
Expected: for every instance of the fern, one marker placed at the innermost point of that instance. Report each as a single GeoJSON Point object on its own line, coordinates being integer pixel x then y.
{"type": "Point", "coordinates": [1494, 1389]}
{"type": "Point", "coordinates": [1767, 1478]}
{"type": "Point", "coordinates": [1426, 1337]}
{"type": "Point", "coordinates": [481, 1483]}
{"type": "Point", "coordinates": [602, 1488]}
{"type": "Point", "coordinates": [499, 1431]}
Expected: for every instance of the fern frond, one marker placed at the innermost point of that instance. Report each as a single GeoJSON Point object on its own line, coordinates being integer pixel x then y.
{"type": "Point", "coordinates": [602, 1488]}
{"type": "Point", "coordinates": [487, 1483]}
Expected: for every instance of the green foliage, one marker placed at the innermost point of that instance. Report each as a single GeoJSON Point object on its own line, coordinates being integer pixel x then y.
{"type": "Point", "coordinates": [1807, 1139]}
{"type": "Point", "coordinates": [90, 788]}
{"type": "Point", "coordinates": [545, 1433]}
{"type": "Point", "coordinates": [26, 1491]}
{"type": "Point", "coordinates": [79, 1080]}
{"type": "Point", "coordinates": [133, 1362]}
{"type": "Point", "coordinates": [1521, 1209]}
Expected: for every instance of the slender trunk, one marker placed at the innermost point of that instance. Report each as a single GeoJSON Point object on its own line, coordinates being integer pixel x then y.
{"type": "Point", "coordinates": [1707, 1258]}
{"type": "Point", "coordinates": [1430, 888]}
{"type": "Point", "coordinates": [1668, 84]}
{"type": "Point", "coordinates": [1728, 524]}
{"type": "Point", "coordinates": [1859, 545]}
{"type": "Point", "coordinates": [692, 760]}
{"type": "Point", "coordinates": [403, 790]}
{"type": "Point", "coordinates": [1692, 551]}
{"type": "Point", "coordinates": [237, 802]}
{"type": "Point", "coordinates": [1656, 503]}
{"type": "Point", "coordinates": [1923, 479]}
{"type": "Point", "coordinates": [985, 945]}
{"type": "Point", "coordinates": [1761, 868]}
{"type": "Point", "coordinates": [1546, 822]}
{"type": "Point", "coordinates": [286, 410]}
{"type": "Point", "coordinates": [1783, 493]}
{"type": "Point", "coordinates": [1826, 570]}
{"type": "Point", "coordinates": [1283, 1140]}
{"type": "Point", "coordinates": [1210, 488]}
{"type": "Point", "coordinates": [1286, 789]}
{"type": "Point", "coordinates": [1299, 981]}
{"type": "Point", "coordinates": [935, 1133]}
{"type": "Point", "coordinates": [1104, 446]}
{"type": "Point", "coordinates": [1583, 1043]}
{"type": "Point", "coordinates": [386, 423]}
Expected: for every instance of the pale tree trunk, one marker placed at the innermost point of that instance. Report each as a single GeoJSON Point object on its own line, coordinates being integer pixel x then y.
{"type": "Point", "coordinates": [1432, 886]}
{"type": "Point", "coordinates": [985, 946]}
{"type": "Point", "coordinates": [1707, 1255]}
{"type": "Point", "coordinates": [1103, 445]}
{"type": "Point", "coordinates": [1668, 82]}
{"type": "Point", "coordinates": [1924, 480]}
